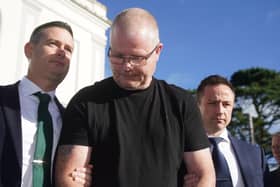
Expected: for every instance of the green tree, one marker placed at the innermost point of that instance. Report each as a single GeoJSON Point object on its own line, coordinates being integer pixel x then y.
{"type": "Point", "coordinates": [257, 90]}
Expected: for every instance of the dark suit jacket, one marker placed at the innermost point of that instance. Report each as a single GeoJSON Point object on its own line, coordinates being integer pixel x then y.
{"type": "Point", "coordinates": [274, 178]}
{"type": "Point", "coordinates": [252, 162]}
{"type": "Point", "coordinates": [11, 137]}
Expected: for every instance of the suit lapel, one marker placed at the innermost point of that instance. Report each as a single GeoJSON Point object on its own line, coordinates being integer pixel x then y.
{"type": "Point", "coordinates": [242, 158]}
{"type": "Point", "coordinates": [11, 107]}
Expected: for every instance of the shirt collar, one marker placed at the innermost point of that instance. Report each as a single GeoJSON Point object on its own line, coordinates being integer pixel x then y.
{"type": "Point", "coordinates": [29, 88]}
{"type": "Point", "coordinates": [224, 135]}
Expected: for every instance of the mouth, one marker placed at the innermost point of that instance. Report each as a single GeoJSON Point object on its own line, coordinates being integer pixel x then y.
{"type": "Point", "coordinates": [130, 76]}
{"type": "Point", "coordinates": [219, 120]}
{"type": "Point", "coordinates": [58, 62]}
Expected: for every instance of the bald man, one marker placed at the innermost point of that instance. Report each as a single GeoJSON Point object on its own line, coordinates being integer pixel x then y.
{"type": "Point", "coordinates": [134, 128]}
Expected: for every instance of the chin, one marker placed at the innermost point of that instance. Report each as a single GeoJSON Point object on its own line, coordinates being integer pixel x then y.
{"type": "Point", "coordinates": [58, 77]}
{"type": "Point", "coordinates": [127, 85]}
{"type": "Point", "coordinates": [221, 126]}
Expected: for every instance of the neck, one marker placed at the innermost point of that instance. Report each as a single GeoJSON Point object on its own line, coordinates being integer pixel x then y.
{"type": "Point", "coordinates": [214, 133]}
{"type": "Point", "coordinates": [45, 85]}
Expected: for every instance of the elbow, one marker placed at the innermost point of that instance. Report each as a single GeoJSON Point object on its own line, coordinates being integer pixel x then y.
{"type": "Point", "coordinates": [61, 175]}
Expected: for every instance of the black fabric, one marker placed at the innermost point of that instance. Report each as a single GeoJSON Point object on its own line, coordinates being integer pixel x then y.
{"type": "Point", "coordinates": [273, 178]}
{"type": "Point", "coordinates": [10, 132]}
{"type": "Point", "coordinates": [138, 137]}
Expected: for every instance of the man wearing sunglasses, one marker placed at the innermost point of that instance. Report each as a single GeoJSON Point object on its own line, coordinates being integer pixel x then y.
{"type": "Point", "coordinates": [135, 129]}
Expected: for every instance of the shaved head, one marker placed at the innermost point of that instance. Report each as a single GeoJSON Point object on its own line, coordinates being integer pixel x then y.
{"type": "Point", "coordinates": [135, 23]}
{"type": "Point", "coordinates": [134, 34]}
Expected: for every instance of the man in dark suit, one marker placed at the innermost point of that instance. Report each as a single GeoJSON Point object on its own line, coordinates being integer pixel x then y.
{"type": "Point", "coordinates": [49, 52]}
{"type": "Point", "coordinates": [245, 162]}
{"type": "Point", "coordinates": [274, 176]}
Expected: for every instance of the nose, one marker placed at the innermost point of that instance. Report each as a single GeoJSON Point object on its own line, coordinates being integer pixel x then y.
{"type": "Point", "coordinates": [61, 52]}
{"type": "Point", "coordinates": [220, 108]}
{"type": "Point", "coordinates": [127, 64]}
{"type": "Point", "coordinates": [126, 60]}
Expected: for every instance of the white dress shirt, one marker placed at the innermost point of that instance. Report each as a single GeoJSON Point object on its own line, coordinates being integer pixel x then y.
{"type": "Point", "coordinates": [29, 107]}
{"type": "Point", "coordinates": [226, 148]}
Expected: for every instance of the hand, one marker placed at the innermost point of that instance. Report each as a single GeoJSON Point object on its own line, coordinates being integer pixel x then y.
{"type": "Point", "coordinates": [83, 175]}
{"type": "Point", "coordinates": [190, 180]}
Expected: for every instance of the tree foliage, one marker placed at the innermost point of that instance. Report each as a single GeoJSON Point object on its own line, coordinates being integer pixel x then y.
{"type": "Point", "coordinates": [257, 91]}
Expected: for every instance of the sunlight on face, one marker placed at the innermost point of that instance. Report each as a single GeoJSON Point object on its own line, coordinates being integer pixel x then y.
{"type": "Point", "coordinates": [50, 57]}
{"type": "Point", "coordinates": [127, 75]}
{"type": "Point", "coordinates": [216, 107]}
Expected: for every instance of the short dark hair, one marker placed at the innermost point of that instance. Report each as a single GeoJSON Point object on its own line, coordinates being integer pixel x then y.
{"type": "Point", "coordinates": [212, 80]}
{"type": "Point", "coordinates": [37, 32]}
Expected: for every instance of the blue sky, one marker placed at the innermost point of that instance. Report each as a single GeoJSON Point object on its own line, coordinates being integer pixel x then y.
{"type": "Point", "coordinates": [204, 37]}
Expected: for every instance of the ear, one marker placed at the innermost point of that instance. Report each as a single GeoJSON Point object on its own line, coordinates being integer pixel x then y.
{"type": "Point", "coordinates": [28, 48]}
{"type": "Point", "coordinates": [160, 47]}
{"type": "Point", "coordinates": [158, 51]}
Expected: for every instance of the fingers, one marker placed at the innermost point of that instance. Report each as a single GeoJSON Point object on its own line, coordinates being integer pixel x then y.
{"type": "Point", "coordinates": [86, 170]}
{"type": "Point", "coordinates": [83, 175]}
{"type": "Point", "coordinates": [82, 178]}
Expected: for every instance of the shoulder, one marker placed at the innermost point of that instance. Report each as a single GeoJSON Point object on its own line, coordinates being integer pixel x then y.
{"type": "Point", "coordinates": [9, 92]}
{"type": "Point", "coordinates": [173, 89]}
{"type": "Point", "coordinates": [94, 92]}
{"type": "Point", "coordinates": [246, 145]}
{"type": "Point", "coordinates": [177, 98]}
{"type": "Point", "coordinates": [9, 87]}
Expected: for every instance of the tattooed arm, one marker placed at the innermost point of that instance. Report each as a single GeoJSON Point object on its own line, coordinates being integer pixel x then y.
{"type": "Point", "coordinates": [199, 163]}
{"type": "Point", "coordinates": [68, 158]}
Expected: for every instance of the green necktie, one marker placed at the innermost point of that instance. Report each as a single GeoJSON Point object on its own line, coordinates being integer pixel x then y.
{"type": "Point", "coordinates": [43, 147]}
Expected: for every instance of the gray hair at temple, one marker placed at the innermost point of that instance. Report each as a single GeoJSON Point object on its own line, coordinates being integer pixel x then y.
{"type": "Point", "coordinates": [37, 32]}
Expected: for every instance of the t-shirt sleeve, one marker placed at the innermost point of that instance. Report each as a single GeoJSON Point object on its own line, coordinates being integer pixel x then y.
{"type": "Point", "coordinates": [75, 128]}
{"type": "Point", "coordinates": [195, 137]}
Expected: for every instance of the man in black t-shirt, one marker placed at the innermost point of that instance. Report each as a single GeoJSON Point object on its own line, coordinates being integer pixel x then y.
{"type": "Point", "coordinates": [134, 129]}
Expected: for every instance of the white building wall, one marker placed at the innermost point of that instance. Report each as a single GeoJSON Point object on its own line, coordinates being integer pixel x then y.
{"type": "Point", "coordinates": [89, 23]}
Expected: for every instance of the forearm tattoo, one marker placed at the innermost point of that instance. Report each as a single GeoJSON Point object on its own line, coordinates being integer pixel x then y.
{"type": "Point", "coordinates": [64, 151]}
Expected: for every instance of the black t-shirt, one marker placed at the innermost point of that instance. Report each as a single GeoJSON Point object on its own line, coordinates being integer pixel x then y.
{"type": "Point", "coordinates": [138, 137]}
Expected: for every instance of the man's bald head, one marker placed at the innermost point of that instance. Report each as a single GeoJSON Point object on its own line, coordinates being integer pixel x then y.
{"type": "Point", "coordinates": [135, 23]}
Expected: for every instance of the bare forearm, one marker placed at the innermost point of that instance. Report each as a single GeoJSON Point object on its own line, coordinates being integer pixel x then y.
{"type": "Point", "coordinates": [207, 181]}
{"type": "Point", "coordinates": [62, 175]}
{"type": "Point", "coordinates": [199, 163]}
{"type": "Point", "coordinates": [68, 158]}
{"type": "Point", "coordinates": [191, 180]}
